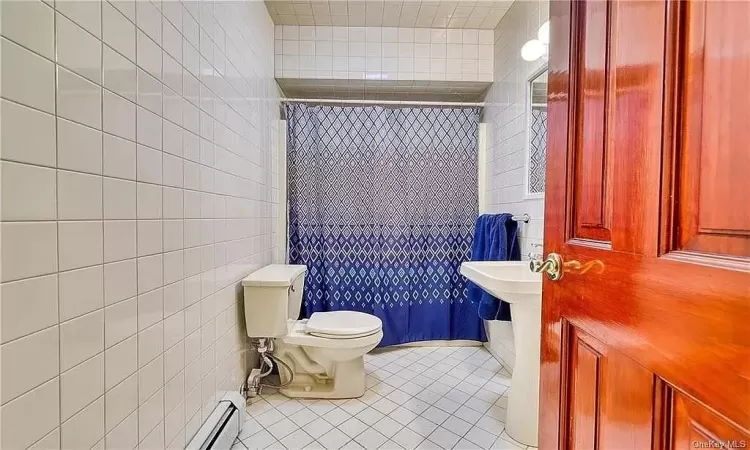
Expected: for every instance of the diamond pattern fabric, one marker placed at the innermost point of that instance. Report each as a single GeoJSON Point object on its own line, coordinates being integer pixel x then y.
{"type": "Point", "coordinates": [382, 204]}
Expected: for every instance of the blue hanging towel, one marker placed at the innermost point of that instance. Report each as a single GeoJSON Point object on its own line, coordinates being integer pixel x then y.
{"type": "Point", "coordinates": [494, 240]}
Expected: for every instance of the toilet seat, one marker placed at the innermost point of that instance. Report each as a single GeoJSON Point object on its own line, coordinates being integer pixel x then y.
{"type": "Point", "coordinates": [343, 324]}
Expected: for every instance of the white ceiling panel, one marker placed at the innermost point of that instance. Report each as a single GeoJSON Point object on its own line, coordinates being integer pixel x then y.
{"type": "Point", "coordinates": [482, 14]}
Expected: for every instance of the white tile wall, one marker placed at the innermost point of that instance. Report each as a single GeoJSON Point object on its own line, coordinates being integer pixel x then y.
{"type": "Point", "coordinates": [505, 112]}
{"type": "Point", "coordinates": [139, 183]}
{"type": "Point", "coordinates": [382, 53]}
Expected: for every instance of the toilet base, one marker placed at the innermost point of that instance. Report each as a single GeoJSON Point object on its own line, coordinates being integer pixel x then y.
{"type": "Point", "coordinates": [347, 381]}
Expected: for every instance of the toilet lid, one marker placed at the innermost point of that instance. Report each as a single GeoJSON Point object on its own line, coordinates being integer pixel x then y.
{"type": "Point", "coordinates": [343, 324]}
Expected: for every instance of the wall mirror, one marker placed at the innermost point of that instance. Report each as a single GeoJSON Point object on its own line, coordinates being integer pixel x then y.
{"type": "Point", "coordinates": [536, 134]}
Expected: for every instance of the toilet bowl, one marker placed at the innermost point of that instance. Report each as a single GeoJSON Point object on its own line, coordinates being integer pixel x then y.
{"type": "Point", "coordinates": [328, 361]}
{"type": "Point", "coordinates": [324, 353]}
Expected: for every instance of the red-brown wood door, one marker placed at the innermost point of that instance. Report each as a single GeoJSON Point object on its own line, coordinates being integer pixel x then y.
{"type": "Point", "coordinates": [646, 344]}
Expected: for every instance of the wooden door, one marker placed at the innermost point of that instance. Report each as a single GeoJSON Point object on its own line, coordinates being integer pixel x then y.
{"type": "Point", "coordinates": [646, 344]}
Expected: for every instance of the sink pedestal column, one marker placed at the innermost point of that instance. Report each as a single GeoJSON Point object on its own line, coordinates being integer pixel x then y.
{"type": "Point", "coordinates": [522, 419]}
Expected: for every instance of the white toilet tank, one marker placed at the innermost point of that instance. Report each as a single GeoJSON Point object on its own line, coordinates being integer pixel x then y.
{"type": "Point", "coordinates": [273, 295]}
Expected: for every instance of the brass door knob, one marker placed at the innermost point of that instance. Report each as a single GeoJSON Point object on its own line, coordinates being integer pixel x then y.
{"type": "Point", "coordinates": [552, 266]}
{"type": "Point", "coordinates": [555, 267]}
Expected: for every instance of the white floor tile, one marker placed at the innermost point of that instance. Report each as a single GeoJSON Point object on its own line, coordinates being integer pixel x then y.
{"type": "Point", "coordinates": [334, 439]}
{"type": "Point", "coordinates": [290, 407]}
{"type": "Point", "coordinates": [467, 414]}
{"type": "Point", "coordinates": [444, 438]}
{"type": "Point", "coordinates": [402, 415]}
{"type": "Point", "coordinates": [260, 440]}
{"type": "Point", "coordinates": [249, 428]}
{"type": "Point", "coordinates": [407, 438]}
{"type": "Point", "coordinates": [390, 445]}
{"type": "Point", "coordinates": [353, 427]}
{"type": "Point", "coordinates": [370, 439]}
{"type": "Point", "coordinates": [303, 417]}
{"type": "Point", "coordinates": [282, 428]}
{"type": "Point", "coordinates": [447, 405]}
{"type": "Point", "coordinates": [491, 425]}
{"type": "Point", "coordinates": [387, 426]}
{"type": "Point", "coordinates": [353, 406]}
{"type": "Point", "coordinates": [296, 440]}
{"type": "Point", "coordinates": [480, 437]}
{"type": "Point", "coordinates": [336, 416]}
{"type": "Point", "coordinates": [384, 405]}
{"type": "Point", "coordinates": [502, 444]}
{"type": "Point", "coordinates": [318, 428]}
{"type": "Point", "coordinates": [321, 407]}
{"type": "Point", "coordinates": [370, 416]}
{"type": "Point", "coordinates": [422, 426]}
{"type": "Point", "coordinates": [417, 398]}
{"type": "Point", "coordinates": [456, 425]}
{"type": "Point", "coordinates": [269, 418]}
{"type": "Point", "coordinates": [435, 415]}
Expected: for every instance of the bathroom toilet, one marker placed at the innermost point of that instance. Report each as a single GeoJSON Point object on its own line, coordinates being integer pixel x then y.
{"type": "Point", "coordinates": [325, 352]}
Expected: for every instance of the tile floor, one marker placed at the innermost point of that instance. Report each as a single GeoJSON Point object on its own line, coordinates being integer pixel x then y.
{"type": "Point", "coordinates": [417, 398]}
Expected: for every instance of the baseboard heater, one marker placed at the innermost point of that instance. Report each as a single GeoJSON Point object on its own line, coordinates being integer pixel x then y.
{"type": "Point", "coordinates": [222, 426]}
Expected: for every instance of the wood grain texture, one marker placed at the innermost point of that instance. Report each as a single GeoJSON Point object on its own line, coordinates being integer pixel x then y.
{"type": "Point", "coordinates": [592, 188]}
{"type": "Point", "coordinates": [713, 152]}
{"type": "Point", "coordinates": [664, 318]}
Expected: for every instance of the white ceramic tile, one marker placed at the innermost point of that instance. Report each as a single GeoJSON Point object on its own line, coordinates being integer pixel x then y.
{"type": "Point", "coordinates": [79, 196]}
{"type": "Point", "coordinates": [81, 338]}
{"type": "Point", "coordinates": [119, 157]}
{"type": "Point", "coordinates": [81, 291]}
{"type": "Point", "coordinates": [27, 135]}
{"type": "Point", "coordinates": [149, 165]}
{"type": "Point", "coordinates": [150, 344]}
{"type": "Point", "coordinates": [150, 273]}
{"type": "Point", "coordinates": [79, 147]}
{"type": "Point", "coordinates": [29, 23]}
{"type": "Point", "coordinates": [119, 199]}
{"type": "Point", "coordinates": [43, 404]}
{"type": "Point", "coordinates": [119, 240]}
{"type": "Point", "coordinates": [28, 362]}
{"type": "Point", "coordinates": [149, 237]}
{"type": "Point", "coordinates": [85, 428]}
{"type": "Point", "coordinates": [120, 402]}
{"type": "Point", "coordinates": [120, 321]}
{"type": "Point", "coordinates": [119, 116]}
{"type": "Point", "coordinates": [81, 385]}
{"type": "Point", "coordinates": [120, 361]}
{"type": "Point", "coordinates": [28, 192]}
{"type": "Point", "coordinates": [78, 50]}
{"type": "Point", "coordinates": [150, 379]}
{"type": "Point", "coordinates": [78, 99]}
{"type": "Point", "coordinates": [86, 14]}
{"type": "Point", "coordinates": [18, 298]}
{"type": "Point", "coordinates": [119, 74]}
{"type": "Point", "coordinates": [117, 31]}
{"type": "Point", "coordinates": [80, 244]}
{"type": "Point", "coordinates": [28, 249]}
{"type": "Point", "coordinates": [150, 413]}
{"type": "Point", "coordinates": [27, 78]}
{"type": "Point", "coordinates": [149, 201]}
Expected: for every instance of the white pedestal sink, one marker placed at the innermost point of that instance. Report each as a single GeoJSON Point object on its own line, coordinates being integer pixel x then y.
{"type": "Point", "coordinates": [513, 282]}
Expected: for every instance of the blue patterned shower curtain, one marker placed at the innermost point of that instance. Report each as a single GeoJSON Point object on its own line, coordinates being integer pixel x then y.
{"type": "Point", "coordinates": [382, 204]}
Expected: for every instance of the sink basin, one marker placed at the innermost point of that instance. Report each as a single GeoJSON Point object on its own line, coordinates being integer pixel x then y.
{"type": "Point", "coordinates": [515, 283]}
{"type": "Point", "coordinates": [511, 281]}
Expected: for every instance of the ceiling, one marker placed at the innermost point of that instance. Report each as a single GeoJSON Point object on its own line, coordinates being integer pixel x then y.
{"type": "Point", "coordinates": [482, 14]}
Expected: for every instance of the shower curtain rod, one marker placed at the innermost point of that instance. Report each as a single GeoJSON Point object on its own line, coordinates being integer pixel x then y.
{"type": "Point", "coordinates": [379, 102]}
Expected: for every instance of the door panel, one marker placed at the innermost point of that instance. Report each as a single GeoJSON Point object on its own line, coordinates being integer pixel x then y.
{"type": "Point", "coordinates": [652, 349]}
{"type": "Point", "coordinates": [592, 197]}
{"type": "Point", "coordinates": [602, 414]}
{"type": "Point", "coordinates": [714, 161]}
{"type": "Point", "coordinates": [693, 422]}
